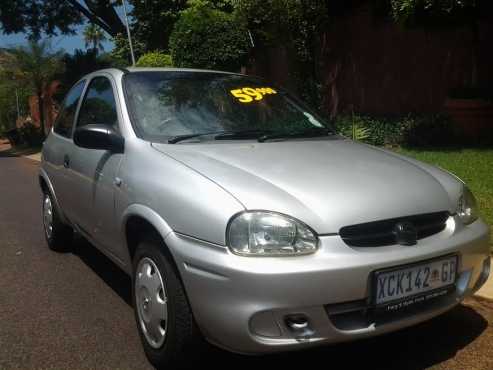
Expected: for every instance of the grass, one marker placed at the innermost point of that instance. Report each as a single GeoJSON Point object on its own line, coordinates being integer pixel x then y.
{"type": "Point", "coordinates": [473, 166]}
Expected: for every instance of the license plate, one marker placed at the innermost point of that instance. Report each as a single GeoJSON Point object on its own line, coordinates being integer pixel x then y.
{"type": "Point", "coordinates": [403, 283]}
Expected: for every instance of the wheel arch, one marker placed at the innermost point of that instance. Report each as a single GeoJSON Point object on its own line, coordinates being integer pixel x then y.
{"type": "Point", "coordinates": [47, 187]}
{"type": "Point", "coordinates": [139, 220]}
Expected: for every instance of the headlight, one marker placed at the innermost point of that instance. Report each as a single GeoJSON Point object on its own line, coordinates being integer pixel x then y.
{"type": "Point", "coordinates": [260, 233]}
{"type": "Point", "coordinates": [467, 209]}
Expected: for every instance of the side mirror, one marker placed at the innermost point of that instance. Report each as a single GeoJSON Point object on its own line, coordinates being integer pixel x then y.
{"type": "Point", "coordinates": [100, 137]}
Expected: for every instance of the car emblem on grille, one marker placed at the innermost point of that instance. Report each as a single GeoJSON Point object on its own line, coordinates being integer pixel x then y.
{"type": "Point", "coordinates": [405, 233]}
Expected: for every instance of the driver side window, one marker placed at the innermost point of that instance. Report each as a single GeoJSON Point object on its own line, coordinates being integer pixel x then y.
{"type": "Point", "coordinates": [99, 105]}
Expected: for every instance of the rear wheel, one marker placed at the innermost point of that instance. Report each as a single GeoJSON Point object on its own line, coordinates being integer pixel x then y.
{"type": "Point", "coordinates": [164, 318]}
{"type": "Point", "coordinates": [58, 235]}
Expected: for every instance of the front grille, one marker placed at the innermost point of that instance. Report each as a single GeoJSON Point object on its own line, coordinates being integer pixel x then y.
{"type": "Point", "coordinates": [381, 233]}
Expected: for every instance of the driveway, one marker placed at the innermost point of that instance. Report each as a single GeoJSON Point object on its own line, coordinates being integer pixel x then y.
{"type": "Point", "coordinates": [72, 311]}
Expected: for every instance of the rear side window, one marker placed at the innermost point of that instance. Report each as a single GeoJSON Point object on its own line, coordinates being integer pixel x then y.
{"type": "Point", "coordinates": [65, 120]}
{"type": "Point", "coordinates": [99, 105]}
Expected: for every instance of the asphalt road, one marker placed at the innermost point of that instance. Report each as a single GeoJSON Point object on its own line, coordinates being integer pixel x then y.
{"type": "Point", "coordinates": [72, 311]}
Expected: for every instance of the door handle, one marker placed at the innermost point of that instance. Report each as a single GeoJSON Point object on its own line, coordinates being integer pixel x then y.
{"type": "Point", "coordinates": [66, 161]}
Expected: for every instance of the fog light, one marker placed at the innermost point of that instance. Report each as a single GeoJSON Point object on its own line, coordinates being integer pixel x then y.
{"type": "Point", "coordinates": [299, 325]}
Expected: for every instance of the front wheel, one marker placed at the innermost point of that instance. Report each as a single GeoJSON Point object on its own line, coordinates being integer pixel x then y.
{"type": "Point", "coordinates": [58, 235]}
{"type": "Point", "coordinates": [164, 318]}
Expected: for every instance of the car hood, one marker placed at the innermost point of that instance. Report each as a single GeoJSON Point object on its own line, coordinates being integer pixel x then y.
{"type": "Point", "coordinates": [327, 183]}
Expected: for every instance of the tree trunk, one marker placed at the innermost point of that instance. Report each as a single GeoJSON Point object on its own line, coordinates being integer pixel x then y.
{"type": "Point", "coordinates": [41, 114]}
{"type": "Point", "coordinates": [332, 99]}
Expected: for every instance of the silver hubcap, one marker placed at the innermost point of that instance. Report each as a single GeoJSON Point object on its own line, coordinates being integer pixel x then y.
{"type": "Point", "coordinates": [48, 216]}
{"type": "Point", "coordinates": [151, 302]}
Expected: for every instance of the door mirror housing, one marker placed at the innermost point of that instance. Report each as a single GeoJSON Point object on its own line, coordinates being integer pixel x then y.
{"type": "Point", "coordinates": [100, 137]}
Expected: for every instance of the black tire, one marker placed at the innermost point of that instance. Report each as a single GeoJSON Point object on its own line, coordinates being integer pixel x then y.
{"type": "Point", "coordinates": [61, 236]}
{"type": "Point", "coordinates": [182, 338]}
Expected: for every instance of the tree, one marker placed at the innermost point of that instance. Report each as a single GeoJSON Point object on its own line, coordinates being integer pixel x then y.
{"type": "Point", "coordinates": [35, 66]}
{"type": "Point", "coordinates": [9, 93]}
{"type": "Point", "coordinates": [154, 21]}
{"type": "Point", "coordinates": [58, 16]}
{"type": "Point", "coordinates": [94, 37]}
{"type": "Point", "coordinates": [121, 50]}
{"type": "Point", "coordinates": [296, 27]}
{"type": "Point", "coordinates": [205, 37]}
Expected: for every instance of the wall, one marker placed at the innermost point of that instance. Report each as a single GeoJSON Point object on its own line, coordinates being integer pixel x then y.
{"type": "Point", "coordinates": [378, 67]}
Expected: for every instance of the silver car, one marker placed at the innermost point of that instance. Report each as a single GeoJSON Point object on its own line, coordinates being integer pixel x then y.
{"type": "Point", "coordinates": [243, 218]}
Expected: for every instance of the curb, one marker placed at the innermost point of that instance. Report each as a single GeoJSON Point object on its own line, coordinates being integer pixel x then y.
{"type": "Point", "coordinates": [35, 157]}
{"type": "Point", "coordinates": [486, 291]}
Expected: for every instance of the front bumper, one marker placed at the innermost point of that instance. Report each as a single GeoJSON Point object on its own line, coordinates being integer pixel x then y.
{"type": "Point", "coordinates": [241, 303]}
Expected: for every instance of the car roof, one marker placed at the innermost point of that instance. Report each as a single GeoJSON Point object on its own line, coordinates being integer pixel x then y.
{"type": "Point", "coordinates": [172, 69]}
{"type": "Point", "coordinates": [120, 71]}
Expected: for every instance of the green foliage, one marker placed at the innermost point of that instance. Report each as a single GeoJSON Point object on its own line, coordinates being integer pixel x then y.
{"type": "Point", "coordinates": [434, 13]}
{"type": "Point", "coordinates": [38, 16]}
{"type": "Point", "coordinates": [155, 59]}
{"type": "Point", "coordinates": [120, 55]}
{"type": "Point", "coordinates": [431, 131]}
{"type": "Point", "coordinates": [287, 22]}
{"type": "Point", "coordinates": [154, 21]}
{"type": "Point", "coordinates": [34, 67]}
{"type": "Point", "coordinates": [51, 17]}
{"type": "Point", "coordinates": [94, 37]}
{"type": "Point", "coordinates": [296, 26]}
{"type": "Point", "coordinates": [414, 131]}
{"type": "Point", "coordinates": [378, 131]}
{"type": "Point", "coordinates": [8, 104]}
{"type": "Point", "coordinates": [355, 129]}
{"type": "Point", "coordinates": [205, 37]}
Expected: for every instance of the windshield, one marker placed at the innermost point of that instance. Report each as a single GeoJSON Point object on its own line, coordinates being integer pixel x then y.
{"type": "Point", "coordinates": [171, 104]}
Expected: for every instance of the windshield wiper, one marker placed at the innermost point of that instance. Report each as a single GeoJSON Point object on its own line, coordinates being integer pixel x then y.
{"type": "Point", "coordinates": [222, 135]}
{"type": "Point", "coordinates": [178, 138]}
{"type": "Point", "coordinates": [241, 135]}
{"type": "Point", "coordinates": [313, 132]}
{"type": "Point", "coordinates": [260, 135]}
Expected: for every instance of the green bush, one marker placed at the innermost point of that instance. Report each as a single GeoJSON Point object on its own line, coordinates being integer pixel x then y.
{"type": "Point", "coordinates": [353, 127]}
{"type": "Point", "coordinates": [205, 37]}
{"type": "Point", "coordinates": [378, 131]}
{"type": "Point", "coordinates": [434, 130]}
{"type": "Point", "coordinates": [120, 55]}
{"type": "Point", "coordinates": [410, 130]}
{"type": "Point", "coordinates": [155, 59]}
{"type": "Point", "coordinates": [30, 134]}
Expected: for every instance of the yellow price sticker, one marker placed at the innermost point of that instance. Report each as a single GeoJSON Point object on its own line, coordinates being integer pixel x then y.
{"type": "Point", "coordinates": [250, 94]}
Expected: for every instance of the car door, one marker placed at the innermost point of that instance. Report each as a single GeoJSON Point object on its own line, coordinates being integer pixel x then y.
{"type": "Point", "coordinates": [58, 149]}
{"type": "Point", "coordinates": [95, 171]}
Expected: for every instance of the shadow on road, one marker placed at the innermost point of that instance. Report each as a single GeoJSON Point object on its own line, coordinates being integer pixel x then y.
{"type": "Point", "coordinates": [418, 347]}
{"type": "Point", "coordinates": [110, 273]}
{"type": "Point", "coordinates": [8, 151]}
